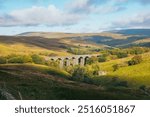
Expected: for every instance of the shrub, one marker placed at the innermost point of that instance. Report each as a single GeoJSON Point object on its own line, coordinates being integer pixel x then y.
{"type": "Point", "coordinates": [102, 59]}
{"type": "Point", "coordinates": [142, 87]}
{"type": "Point", "coordinates": [27, 59]}
{"type": "Point", "coordinates": [115, 67]}
{"type": "Point", "coordinates": [78, 73]}
{"type": "Point", "coordinates": [52, 64]}
{"type": "Point", "coordinates": [20, 59]}
{"type": "Point", "coordinates": [37, 59]}
{"type": "Point", "coordinates": [3, 60]}
{"type": "Point", "coordinates": [15, 60]}
{"type": "Point", "coordinates": [135, 60]}
{"type": "Point", "coordinates": [92, 60]}
{"type": "Point", "coordinates": [122, 54]}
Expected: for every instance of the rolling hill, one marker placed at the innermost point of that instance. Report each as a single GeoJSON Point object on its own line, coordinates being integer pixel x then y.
{"type": "Point", "coordinates": [116, 38]}
{"type": "Point", "coordinates": [57, 44]}
{"type": "Point", "coordinates": [135, 75]}
{"type": "Point", "coordinates": [31, 82]}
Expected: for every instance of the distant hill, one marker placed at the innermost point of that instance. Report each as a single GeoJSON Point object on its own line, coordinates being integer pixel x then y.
{"type": "Point", "coordinates": [144, 32]}
{"type": "Point", "coordinates": [57, 43]}
{"type": "Point", "coordinates": [121, 38]}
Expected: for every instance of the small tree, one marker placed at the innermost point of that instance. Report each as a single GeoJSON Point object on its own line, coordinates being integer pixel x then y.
{"type": "Point", "coordinates": [37, 59]}
{"type": "Point", "coordinates": [92, 60]}
{"type": "Point", "coordinates": [52, 64]}
{"type": "Point", "coordinates": [20, 59]}
{"type": "Point", "coordinates": [102, 59]}
{"type": "Point", "coordinates": [3, 60]}
{"type": "Point", "coordinates": [115, 67]}
{"type": "Point", "coordinates": [78, 73]}
{"type": "Point", "coordinates": [135, 60]}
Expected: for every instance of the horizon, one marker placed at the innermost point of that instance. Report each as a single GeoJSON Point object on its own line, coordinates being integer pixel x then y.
{"type": "Point", "coordinates": [69, 16]}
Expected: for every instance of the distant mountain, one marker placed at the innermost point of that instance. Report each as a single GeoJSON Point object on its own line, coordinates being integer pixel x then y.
{"type": "Point", "coordinates": [144, 32]}
{"type": "Point", "coordinates": [122, 38]}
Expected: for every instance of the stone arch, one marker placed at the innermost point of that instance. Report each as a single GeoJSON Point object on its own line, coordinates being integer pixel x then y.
{"type": "Point", "coordinates": [52, 59]}
{"type": "Point", "coordinates": [86, 58]}
{"type": "Point", "coordinates": [81, 61]}
{"type": "Point", "coordinates": [75, 61]}
{"type": "Point", "coordinates": [61, 62]}
{"type": "Point", "coordinates": [67, 61]}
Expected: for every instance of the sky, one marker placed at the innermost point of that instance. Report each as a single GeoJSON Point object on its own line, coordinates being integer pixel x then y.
{"type": "Point", "coordinates": [72, 16]}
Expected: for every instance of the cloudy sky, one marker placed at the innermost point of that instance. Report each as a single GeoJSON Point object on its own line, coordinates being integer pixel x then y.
{"type": "Point", "coordinates": [17, 16]}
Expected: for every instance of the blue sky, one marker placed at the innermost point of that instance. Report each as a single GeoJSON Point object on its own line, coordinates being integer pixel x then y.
{"type": "Point", "coordinates": [18, 16]}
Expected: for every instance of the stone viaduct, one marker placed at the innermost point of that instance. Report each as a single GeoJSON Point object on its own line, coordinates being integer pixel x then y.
{"type": "Point", "coordinates": [71, 60]}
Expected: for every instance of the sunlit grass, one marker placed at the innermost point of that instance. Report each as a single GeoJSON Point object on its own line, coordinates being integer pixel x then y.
{"type": "Point", "coordinates": [136, 75]}
{"type": "Point", "coordinates": [22, 49]}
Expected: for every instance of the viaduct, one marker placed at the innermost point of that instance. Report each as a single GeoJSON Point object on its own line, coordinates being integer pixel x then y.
{"type": "Point", "coordinates": [71, 60]}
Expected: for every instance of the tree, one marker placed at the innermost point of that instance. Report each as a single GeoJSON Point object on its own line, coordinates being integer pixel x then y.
{"type": "Point", "coordinates": [78, 73]}
{"type": "Point", "coordinates": [3, 60]}
{"type": "Point", "coordinates": [102, 59]}
{"type": "Point", "coordinates": [115, 67]}
{"type": "Point", "coordinates": [20, 59]}
{"type": "Point", "coordinates": [37, 59]}
{"type": "Point", "coordinates": [135, 60]}
{"type": "Point", "coordinates": [52, 64]}
{"type": "Point", "coordinates": [92, 60]}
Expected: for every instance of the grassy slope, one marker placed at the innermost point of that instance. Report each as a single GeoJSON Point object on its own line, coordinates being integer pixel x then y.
{"type": "Point", "coordinates": [41, 82]}
{"type": "Point", "coordinates": [30, 45]}
{"type": "Point", "coordinates": [55, 43]}
{"type": "Point", "coordinates": [40, 45]}
{"type": "Point", "coordinates": [136, 75]}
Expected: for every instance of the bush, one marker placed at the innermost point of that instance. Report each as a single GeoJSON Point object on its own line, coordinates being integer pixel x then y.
{"type": "Point", "coordinates": [27, 59]}
{"type": "Point", "coordinates": [37, 59]}
{"type": "Point", "coordinates": [122, 54]}
{"type": "Point", "coordinates": [78, 74]}
{"type": "Point", "coordinates": [92, 60]}
{"type": "Point", "coordinates": [20, 59]}
{"type": "Point", "coordinates": [15, 60]}
{"type": "Point", "coordinates": [3, 60]}
{"type": "Point", "coordinates": [135, 60]}
{"type": "Point", "coordinates": [52, 64]}
{"type": "Point", "coordinates": [142, 87]}
{"type": "Point", "coordinates": [115, 67]}
{"type": "Point", "coordinates": [102, 59]}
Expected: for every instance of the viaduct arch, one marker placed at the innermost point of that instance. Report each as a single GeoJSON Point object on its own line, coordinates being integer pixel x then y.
{"type": "Point", "coordinates": [71, 60]}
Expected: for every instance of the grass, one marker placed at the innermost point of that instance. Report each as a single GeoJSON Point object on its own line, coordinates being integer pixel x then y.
{"type": "Point", "coordinates": [44, 83]}
{"type": "Point", "coordinates": [22, 49]}
{"type": "Point", "coordinates": [136, 75]}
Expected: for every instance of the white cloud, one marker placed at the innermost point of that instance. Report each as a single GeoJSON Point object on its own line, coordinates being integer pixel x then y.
{"type": "Point", "coordinates": [39, 16]}
{"type": "Point", "coordinates": [80, 6]}
{"type": "Point", "coordinates": [141, 20]}
{"type": "Point", "coordinates": [95, 6]}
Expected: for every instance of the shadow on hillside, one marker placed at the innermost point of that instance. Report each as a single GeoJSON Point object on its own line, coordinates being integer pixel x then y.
{"type": "Point", "coordinates": [50, 44]}
{"type": "Point", "coordinates": [111, 41]}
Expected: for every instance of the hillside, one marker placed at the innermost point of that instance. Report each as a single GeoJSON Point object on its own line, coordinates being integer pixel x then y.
{"type": "Point", "coordinates": [41, 45]}
{"type": "Point", "coordinates": [116, 38]}
{"type": "Point", "coordinates": [144, 32]}
{"type": "Point", "coordinates": [136, 75]}
{"type": "Point", "coordinates": [59, 44]}
{"type": "Point", "coordinates": [40, 82]}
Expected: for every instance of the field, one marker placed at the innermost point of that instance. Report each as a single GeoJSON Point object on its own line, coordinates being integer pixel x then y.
{"type": "Point", "coordinates": [136, 75]}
